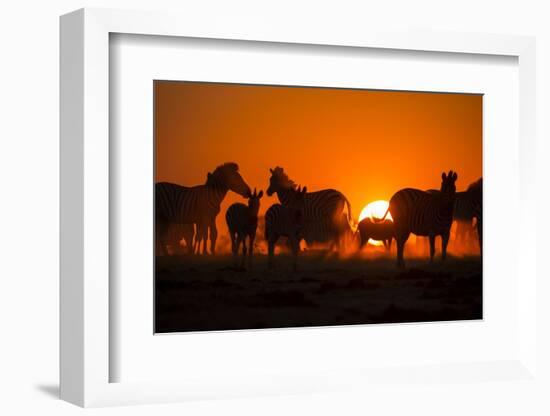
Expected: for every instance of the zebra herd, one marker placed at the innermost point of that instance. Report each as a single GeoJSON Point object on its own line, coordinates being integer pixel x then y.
{"type": "Point", "coordinates": [316, 217]}
{"type": "Point", "coordinates": [197, 205]}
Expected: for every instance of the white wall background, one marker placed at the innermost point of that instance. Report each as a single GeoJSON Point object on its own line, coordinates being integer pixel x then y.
{"type": "Point", "coordinates": [29, 116]}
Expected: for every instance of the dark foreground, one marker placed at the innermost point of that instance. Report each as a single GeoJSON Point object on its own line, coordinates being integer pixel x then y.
{"type": "Point", "coordinates": [206, 293]}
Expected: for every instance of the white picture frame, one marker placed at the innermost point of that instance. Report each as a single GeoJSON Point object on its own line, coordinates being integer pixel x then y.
{"type": "Point", "coordinates": [85, 164]}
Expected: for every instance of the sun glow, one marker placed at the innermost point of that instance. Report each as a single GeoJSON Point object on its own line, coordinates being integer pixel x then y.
{"type": "Point", "coordinates": [375, 209]}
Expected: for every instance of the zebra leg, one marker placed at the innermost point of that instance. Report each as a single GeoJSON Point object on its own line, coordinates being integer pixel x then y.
{"type": "Point", "coordinates": [199, 238]}
{"type": "Point", "coordinates": [213, 236]}
{"type": "Point", "coordinates": [389, 244]}
{"type": "Point", "coordinates": [444, 242]}
{"type": "Point", "coordinates": [401, 240]}
{"type": "Point", "coordinates": [251, 237]}
{"type": "Point", "coordinates": [238, 241]}
{"type": "Point", "coordinates": [197, 243]}
{"type": "Point", "coordinates": [234, 247]}
{"type": "Point", "coordinates": [432, 248]}
{"type": "Point", "coordinates": [188, 237]}
{"type": "Point", "coordinates": [243, 258]}
{"type": "Point", "coordinates": [204, 239]}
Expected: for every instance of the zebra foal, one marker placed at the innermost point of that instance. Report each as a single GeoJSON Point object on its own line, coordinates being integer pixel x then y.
{"type": "Point", "coordinates": [423, 213]}
{"type": "Point", "coordinates": [242, 222]}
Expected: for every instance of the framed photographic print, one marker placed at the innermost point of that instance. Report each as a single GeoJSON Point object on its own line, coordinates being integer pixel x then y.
{"type": "Point", "coordinates": [245, 213]}
{"type": "Point", "coordinates": [276, 254]}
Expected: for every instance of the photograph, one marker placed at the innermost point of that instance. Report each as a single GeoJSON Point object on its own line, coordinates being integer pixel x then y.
{"type": "Point", "coordinates": [282, 206]}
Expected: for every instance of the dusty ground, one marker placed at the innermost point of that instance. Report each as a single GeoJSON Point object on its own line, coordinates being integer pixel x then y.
{"type": "Point", "coordinates": [195, 293]}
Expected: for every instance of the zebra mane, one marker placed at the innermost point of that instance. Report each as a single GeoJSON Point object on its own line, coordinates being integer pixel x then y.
{"type": "Point", "coordinates": [225, 169]}
{"type": "Point", "coordinates": [283, 178]}
{"type": "Point", "coordinates": [228, 166]}
{"type": "Point", "coordinates": [221, 172]}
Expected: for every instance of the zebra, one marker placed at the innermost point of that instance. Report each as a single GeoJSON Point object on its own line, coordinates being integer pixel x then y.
{"type": "Point", "coordinates": [468, 205]}
{"type": "Point", "coordinates": [319, 206]}
{"type": "Point", "coordinates": [286, 221]}
{"type": "Point", "coordinates": [379, 231]}
{"type": "Point", "coordinates": [242, 222]}
{"type": "Point", "coordinates": [176, 204]}
{"type": "Point", "coordinates": [423, 213]}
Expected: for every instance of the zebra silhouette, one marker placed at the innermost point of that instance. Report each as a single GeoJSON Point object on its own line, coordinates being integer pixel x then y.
{"type": "Point", "coordinates": [322, 209]}
{"type": "Point", "coordinates": [423, 213]}
{"type": "Point", "coordinates": [176, 204]}
{"type": "Point", "coordinates": [468, 206]}
{"type": "Point", "coordinates": [286, 221]}
{"type": "Point", "coordinates": [242, 222]}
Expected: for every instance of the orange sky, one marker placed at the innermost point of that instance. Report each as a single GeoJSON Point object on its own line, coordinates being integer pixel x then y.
{"type": "Point", "coordinates": [367, 144]}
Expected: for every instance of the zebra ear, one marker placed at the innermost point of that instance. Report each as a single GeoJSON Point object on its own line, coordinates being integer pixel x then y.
{"type": "Point", "coordinates": [260, 194]}
{"type": "Point", "coordinates": [271, 170]}
{"type": "Point", "coordinates": [304, 190]}
{"type": "Point", "coordinates": [443, 176]}
{"type": "Point", "coordinates": [455, 176]}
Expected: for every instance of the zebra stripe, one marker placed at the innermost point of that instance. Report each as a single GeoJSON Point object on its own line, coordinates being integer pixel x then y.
{"type": "Point", "coordinates": [422, 213]}
{"type": "Point", "coordinates": [198, 205]}
{"type": "Point", "coordinates": [279, 223]}
{"type": "Point", "coordinates": [187, 205]}
{"type": "Point", "coordinates": [319, 205]}
{"type": "Point", "coordinates": [176, 204]}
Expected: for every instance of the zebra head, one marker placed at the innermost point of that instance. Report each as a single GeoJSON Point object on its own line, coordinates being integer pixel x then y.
{"type": "Point", "coordinates": [227, 177]}
{"type": "Point", "coordinates": [279, 181]}
{"type": "Point", "coordinates": [448, 186]}
{"type": "Point", "coordinates": [254, 201]}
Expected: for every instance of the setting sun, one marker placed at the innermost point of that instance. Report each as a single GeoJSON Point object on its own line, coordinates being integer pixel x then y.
{"type": "Point", "coordinates": [375, 209]}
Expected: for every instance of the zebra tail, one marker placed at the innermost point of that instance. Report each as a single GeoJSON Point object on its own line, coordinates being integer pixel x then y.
{"type": "Point", "coordinates": [374, 219]}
